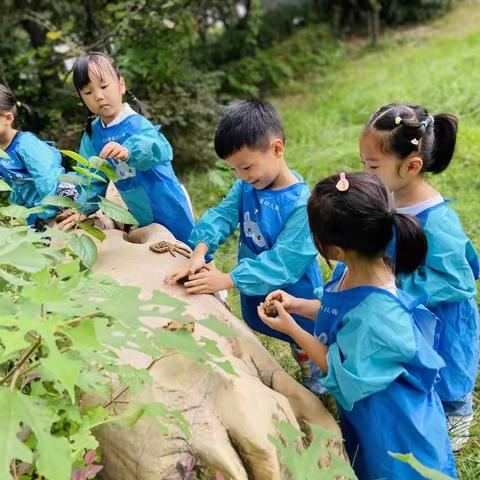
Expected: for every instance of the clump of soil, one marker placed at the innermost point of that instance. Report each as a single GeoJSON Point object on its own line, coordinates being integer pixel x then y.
{"type": "Point", "coordinates": [271, 310]}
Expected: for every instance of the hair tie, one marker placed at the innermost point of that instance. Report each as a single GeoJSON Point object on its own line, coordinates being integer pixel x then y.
{"type": "Point", "coordinates": [428, 121]}
{"type": "Point", "coordinates": [343, 184]}
{"type": "Point", "coordinates": [414, 141]}
{"type": "Point", "coordinates": [398, 120]}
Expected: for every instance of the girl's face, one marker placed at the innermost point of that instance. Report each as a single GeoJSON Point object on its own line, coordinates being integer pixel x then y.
{"type": "Point", "coordinates": [103, 95]}
{"type": "Point", "coordinates": [6, 121]}
{"type": "Point", "coordinates": [387, 166]}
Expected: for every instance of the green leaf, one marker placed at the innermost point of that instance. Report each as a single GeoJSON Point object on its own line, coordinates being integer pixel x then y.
{"type": "Point", "coordinates": [85, 248]}
{"type": "Point", "coordinates": [14, 211]}
{"type": "Point", "coordinates": [4, 186]}
{"type": "Point", "coordinates": [77, 157]}
{"type": "Point", "coordinates": [116, 212]}
{"type": "Point", "coordinates": [68, 269]}
{"type": "Point", "coordinates": [25, 257]}
{"type": "Point", "coordinates": [16, 280]}
{"type": "Point", "coordinates": [426, 472]}
{"type": "Point", "coordinates": [94, 232]}
{"type": "Point", "coordinates": [16, 410]}
{"type": "Point", "coordinates": [19, 211]}
{"type": "Point", "coordinates": [3, 154]}
{"type": "Point", "coordinates": [103, 165]}
{"type": "Point", "coordinates": [57, 201]}
{"type": "Point", "coordinates": [89, 174]}
{"type": "Point", "coordinates": [75, 179]}
{"type": "Point", "coordinates": [304, 463]}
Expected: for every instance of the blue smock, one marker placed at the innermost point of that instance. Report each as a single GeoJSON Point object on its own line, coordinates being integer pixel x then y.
{"type": "Point", "coordinates": [446, 282]}
{"type": "Point", "coordinates": [276, 250]}
{"type": "Point", "coordinates": [146, 181]}
{"type": "Point", "coordinates": [32, 171]}
{"type": "Point", "coordinates": [381, 370]}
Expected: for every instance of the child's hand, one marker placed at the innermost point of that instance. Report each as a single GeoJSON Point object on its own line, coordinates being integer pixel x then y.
{"type": "Point", "coordinates": [287, 301]}
{"type": "Point", "coordinates": [210, 280]}
{"type": "Point", "coordinates": [283, 323]}
{"type": "Point", "coordinates": [114, 150]}
{"type": "Point", "coordinates": [194, 264]}
{"type": "Point", "coordinates": [69, 218]}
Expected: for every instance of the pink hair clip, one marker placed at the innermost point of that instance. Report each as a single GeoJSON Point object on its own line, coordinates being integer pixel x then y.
{"type": "Point", "coordinates": [342, 185]}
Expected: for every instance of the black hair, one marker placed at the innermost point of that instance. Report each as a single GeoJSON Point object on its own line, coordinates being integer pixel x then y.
{"type": "Point", "coordinates": [9, 104]}
{"type": "Point", "coordinates": [409, 128]}
{"type": "Point", "coordinates": [361, 219]}
{"type": "Point", "coordinates": [81, 78]}
{"type": "Point", "coordinates": [250, 124]}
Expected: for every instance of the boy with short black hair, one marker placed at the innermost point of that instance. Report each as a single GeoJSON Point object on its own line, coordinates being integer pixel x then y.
{"type": "Point", "coordinates": [268, 201]}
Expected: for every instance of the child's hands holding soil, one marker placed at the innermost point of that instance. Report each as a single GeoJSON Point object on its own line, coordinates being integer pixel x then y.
{"type": "Point", "coordinates": [209, 280]}
{"type": "Point", "coordinates": [283, 322]}
{"type": "Point", "coordinates": [287, 300]}
{"type": "Point", "coordinates": [195, 263]}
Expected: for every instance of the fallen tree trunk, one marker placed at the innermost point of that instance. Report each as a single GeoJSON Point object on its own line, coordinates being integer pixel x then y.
{"type": "Point", "coordinates": [230, 416]}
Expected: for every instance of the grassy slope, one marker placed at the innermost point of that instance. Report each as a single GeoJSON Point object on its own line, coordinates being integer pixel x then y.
{"type": "Point", "coordinates": [438, 66]}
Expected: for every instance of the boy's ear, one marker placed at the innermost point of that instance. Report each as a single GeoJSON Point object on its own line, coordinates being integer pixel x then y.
{"type": "Point", "coordinates": [278, 147]}
{"type": "Point", "coordinates": [123, 88]}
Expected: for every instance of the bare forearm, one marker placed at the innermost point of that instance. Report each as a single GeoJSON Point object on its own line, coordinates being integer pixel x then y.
{"type": "Point", "coordinates": [316, 350]}
{"type": "Point", "coordinates": [305, 308]}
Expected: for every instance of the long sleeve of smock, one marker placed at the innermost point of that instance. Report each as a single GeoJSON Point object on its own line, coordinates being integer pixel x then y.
{"type": "Point", "coordinates": [374, 340]}
{"type": "Point", "coordinates": [148, 147]}
{"type": "Point", "coordinates": [218, 223]}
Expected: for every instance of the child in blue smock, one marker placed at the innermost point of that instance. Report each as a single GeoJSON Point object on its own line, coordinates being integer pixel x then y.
{"type": "Point", "coordinates": [268, 203]}
{"type": "Point", "coordinates": [402, 143]}
{"type": "Point", "coordinates": [31, 167]}
{"type": "Point", "coordinates": [140, 154]}
{"type": "Point", "coordinates": [372, 342]}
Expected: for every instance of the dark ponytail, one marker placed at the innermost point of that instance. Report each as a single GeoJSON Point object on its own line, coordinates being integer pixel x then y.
{"type": "Point", "coordinates": [445, 130]}
{"type": "Point", "coordinates": [138, 106]}
{"type": "Point", "coordinates": [410, 129]}
{"type": "Point", "coordinates": [410, 243]}
{"type": "Point", "coordinates": [8, 103]}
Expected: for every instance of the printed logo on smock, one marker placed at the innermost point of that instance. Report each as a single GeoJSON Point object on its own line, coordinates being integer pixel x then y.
{"type": "Point", "coordinates": [252, 230]}
{"type": "Point", "coordinates": [269, 204]}
{"type": "Point", "coordinates": [124, 170]}
{"type": "Point", "coordinates": [327, 309]}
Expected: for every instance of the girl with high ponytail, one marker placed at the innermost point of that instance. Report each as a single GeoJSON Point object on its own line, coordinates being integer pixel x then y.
{"type": "Point", "coordinates": [132, 145]}
{"type": "Point", "coordinates": [372, 342]}
{"type": "Point", "coordinates": [402, 144]}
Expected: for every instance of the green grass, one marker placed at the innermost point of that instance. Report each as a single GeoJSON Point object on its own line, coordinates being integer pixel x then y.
{"type": "Point", "coordinates": [435, 65]}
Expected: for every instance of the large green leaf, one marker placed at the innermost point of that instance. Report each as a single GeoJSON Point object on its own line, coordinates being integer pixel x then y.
{"type": "Point", "coordinates": [57, 201]}
{"type": "Point", "coordinates": [75, 179]}
{"type": "Point", "coordinates": [116, 212]}
{"type": "Point", "coordinates": [18, 410]}
{"type": "Point", "coordinates": [77, 157]}
{"type": "Point", "coordinates": [25, 257]}
{"type": "Point", "coordinates": [90, 229]}
{"type": "Point", "coordinates": [85, 248]}
{"type": "Point", "coordinates": [89, 174]}
{"type": "Point", "coordinates": [19, 211]}
{"type": "Point", "coordinates": [103, 165]}
{"type": "Point", "coordinates": [4, 186]}
{"type": "Point", "coordinates": [426, 472]}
